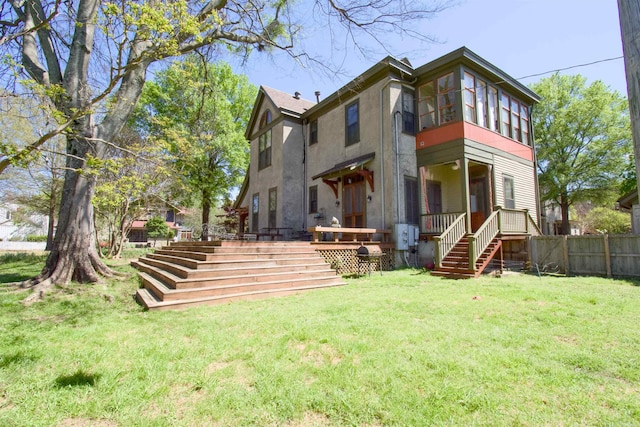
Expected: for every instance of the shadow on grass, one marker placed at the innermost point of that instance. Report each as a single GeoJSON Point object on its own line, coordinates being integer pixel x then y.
{"type": "Point", "coordinates": [79, 379]}
{"type": "Point", "coordinates": [14, 277]}
{"type": "Point", "coordinates": [15, 359]}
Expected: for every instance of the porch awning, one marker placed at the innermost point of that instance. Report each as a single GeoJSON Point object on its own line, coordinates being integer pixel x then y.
{"type": "Point", "coordinates": [349, 164]}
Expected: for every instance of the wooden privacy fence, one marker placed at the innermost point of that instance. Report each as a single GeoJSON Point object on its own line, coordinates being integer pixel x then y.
{"type": "Point", "coordinates": [611, 255]}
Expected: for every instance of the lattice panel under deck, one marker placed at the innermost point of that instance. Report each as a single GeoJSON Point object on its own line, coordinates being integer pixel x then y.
{"type": "Point", "coordinates": [345, 261]}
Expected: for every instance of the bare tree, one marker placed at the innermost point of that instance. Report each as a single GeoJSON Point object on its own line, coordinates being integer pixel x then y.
{"type": "Point", "coordinates": [89, 58]}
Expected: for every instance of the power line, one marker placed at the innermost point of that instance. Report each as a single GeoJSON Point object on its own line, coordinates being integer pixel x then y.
{"type": "Point", "coordinates": [570, 67]}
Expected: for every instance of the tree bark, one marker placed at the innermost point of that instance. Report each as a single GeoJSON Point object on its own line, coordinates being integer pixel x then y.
{"type": "Point", "coordinates": [206, 210]}
{"type": "Point", "coordinates": [629, 12]}
{"type": "Point", "coordinates": [564, 208]}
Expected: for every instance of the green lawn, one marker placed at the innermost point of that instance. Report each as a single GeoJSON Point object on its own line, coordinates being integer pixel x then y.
{"type": "Point", "coordinates": [402, 349]}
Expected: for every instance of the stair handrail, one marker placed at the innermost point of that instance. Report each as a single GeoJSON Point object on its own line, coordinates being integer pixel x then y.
{"type": "Point", "coordinates": [448, 239]}
{"type": "Point", "coordinates": [532, 226]}
{"type": "Point", "coordinates": [482, 238]}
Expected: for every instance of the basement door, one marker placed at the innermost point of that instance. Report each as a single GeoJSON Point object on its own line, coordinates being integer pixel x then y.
{"type": "Point", "coordinates": [353, 197]}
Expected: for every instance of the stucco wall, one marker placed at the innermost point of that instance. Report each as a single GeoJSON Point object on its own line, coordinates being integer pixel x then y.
{"type": "Point", "coordinates": [388, 193]}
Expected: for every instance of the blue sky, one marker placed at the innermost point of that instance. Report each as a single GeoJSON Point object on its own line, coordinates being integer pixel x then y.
{"type": "Point", "coordinates": [522, 37]}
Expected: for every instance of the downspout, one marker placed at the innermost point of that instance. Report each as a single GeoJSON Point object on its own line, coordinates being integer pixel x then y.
{"type": "Point", "coordinates": [397, 138]}
{"type": "Point", "coordinates": [382, 116]}
{"type": "Point", "coordinates": [304, 177]}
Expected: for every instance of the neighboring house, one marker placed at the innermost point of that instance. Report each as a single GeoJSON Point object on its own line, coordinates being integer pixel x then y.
{"type": "Point", "coordinates": [398, 148]}
{"type": "Point", "coordinates": [551, 221]}
{"type": "Point", "coordinates": [9, 230]}
{"type": "Point", "coordinates": [629, 202]}
{"type": "Point", "coordinates": [174, 217]}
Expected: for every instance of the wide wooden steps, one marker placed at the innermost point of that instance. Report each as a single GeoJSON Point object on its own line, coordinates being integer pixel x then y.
{"type": "Point", "coordinates": [456, 264]}
{"type": "Point", "coordinates": [187, 274]}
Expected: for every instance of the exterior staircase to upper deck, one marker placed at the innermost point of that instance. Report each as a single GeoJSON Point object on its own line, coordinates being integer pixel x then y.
{"type": "Point", "coordinates": [456, 263]}
{"type": "Point", "coordinates": [187, 274]}
{"type": "Point", "coordinates": [460, 254]}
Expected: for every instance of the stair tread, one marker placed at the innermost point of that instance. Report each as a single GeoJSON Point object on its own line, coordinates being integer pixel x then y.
{"type": "Point", "coordinates": [155, 303]}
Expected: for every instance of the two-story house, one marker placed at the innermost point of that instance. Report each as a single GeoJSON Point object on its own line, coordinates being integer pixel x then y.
{"type": "Point", "coordinates": [442, 153]}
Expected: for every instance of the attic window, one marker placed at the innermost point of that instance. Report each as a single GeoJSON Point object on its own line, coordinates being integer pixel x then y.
{"type": "Point", "coordinates": [265, 119]}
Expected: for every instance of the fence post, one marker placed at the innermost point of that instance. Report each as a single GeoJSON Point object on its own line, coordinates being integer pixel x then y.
{"type": "Point", "coordinates": [607, 255]}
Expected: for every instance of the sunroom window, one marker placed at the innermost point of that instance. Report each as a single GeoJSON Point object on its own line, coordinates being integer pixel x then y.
{"type": "Point", "coordinates": [426, 106]}
{"type": "Point", "coordinates": [446, 98]}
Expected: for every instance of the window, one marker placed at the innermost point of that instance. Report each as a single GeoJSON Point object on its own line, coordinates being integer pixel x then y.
{"type": "Point", "coordinates": [515, 120]}
{"type": "Point", "coordinates": [481, 103]}
{"type": "Point", "coordinates": [524, 118]}
{"type": "Point", "coordinates": [446, 98]}
{"type": "Point", "coordinates": [265, 119]}
{"type": "Point", "coordinates": [470, 98]}
{"type": "Point", "coordinates": [255, 205]}
{"type": "Point", "coordinates": [426, 106]}
{"type": "Point", "coordinates": [506, 114]}
{"type": "Point", "coordinates": [273, 206]}
{"type": "Point", "coordinates": [352, 118]}
{"type": "Point", "coordinates": [264, 141]}
{"type": "Point", "coordinates": [411, 207]}
{"type": "Point", "coordinates": [313, 199]}
{"type": "Point", "coordinates": [492, 106]}
{"type": "Point", "coordinates": [408, 111]}
{"type": "Point", "coordinates": [264, 150]}
{"type": "Point", "coordinates": [509, 192]}
{"type": "Point", "coordinates": [313, 132]}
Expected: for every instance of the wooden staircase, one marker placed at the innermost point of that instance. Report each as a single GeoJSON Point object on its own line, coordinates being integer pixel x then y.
{"type": "Point", "coordinates": [456, 264]}
{"type": "Point", "coordinates": [187, 274]}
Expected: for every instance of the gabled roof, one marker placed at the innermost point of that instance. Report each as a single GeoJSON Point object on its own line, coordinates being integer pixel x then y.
{"type": "Point", "coordinates": [287, 104]}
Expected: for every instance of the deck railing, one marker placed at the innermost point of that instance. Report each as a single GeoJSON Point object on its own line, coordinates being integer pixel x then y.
{"type": "Point", "coordinates": [448, 239]}
{"type": "Point", "coordinates": [437, 223]}
{"type": "Point", "coordinates": [517, 221]}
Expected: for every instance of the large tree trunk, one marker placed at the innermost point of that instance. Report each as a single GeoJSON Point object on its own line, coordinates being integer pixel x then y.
{"type": "Point", "coordinates": [565, 228]}
{"type": "Point", "coordinates": [74, 255]}
{"type": "Point", "coordinates": [206, 210]}
{"type": "Point", "coordinates": [52, 218]}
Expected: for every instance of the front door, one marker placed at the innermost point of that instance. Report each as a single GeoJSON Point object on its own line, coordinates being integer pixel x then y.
{"type": "Point", "coordinates": [353, 206]}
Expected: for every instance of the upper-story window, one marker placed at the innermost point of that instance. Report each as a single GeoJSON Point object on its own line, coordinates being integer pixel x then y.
{"type": "Point", "coordinates": [446, 98]}
{"type": "Point", "coordinates": [427, 106]}
{"type": "Point", "coordinates": [265, 119]}
{"type": "Point", "coordinates": [352, 122]}
{"type": "Point", "coordinates": [408, 111]}
{"type": "Point", "coordinates": [264, 141]}
{"type": "Point", "coordinates": [313, 132]}
{"type": "Point", "coordinates": [505, 100]}
{"type": "Point", "coordinates": [437, 101]}
{"type": "Point", "coordinates": [509, 116]}
{"type": "Point", "coordinates": [470, 98]}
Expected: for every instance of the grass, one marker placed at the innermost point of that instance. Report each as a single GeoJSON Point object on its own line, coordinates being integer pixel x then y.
{"type": "Point", "coordinates": [402, 349]}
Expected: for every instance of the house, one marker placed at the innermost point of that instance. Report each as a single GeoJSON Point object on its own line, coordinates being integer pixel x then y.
{"type": "Point", "coordinates": [551, 220]}
{"type": "Point", "coordinates": [34, 225]}
{"type": "Point", "coordinates": [629, 203]}
{"type": "Point", "coordinates": [173, 215]}
{"type": "Point", "coordinates": [437, 154]}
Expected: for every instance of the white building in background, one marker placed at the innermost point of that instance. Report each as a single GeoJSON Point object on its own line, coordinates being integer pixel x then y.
{"type": "Point", "coordinates": [10, 230]}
